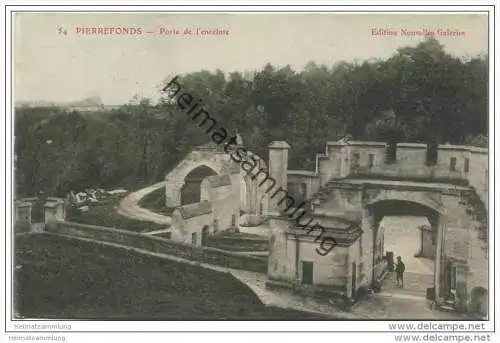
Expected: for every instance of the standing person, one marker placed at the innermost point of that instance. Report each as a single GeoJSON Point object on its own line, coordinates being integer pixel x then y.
{"type": "Point", "coordinates": [400, 269]}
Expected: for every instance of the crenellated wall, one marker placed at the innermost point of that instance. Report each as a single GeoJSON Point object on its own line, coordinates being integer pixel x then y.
{"type": "Point", "coordinates": [360, 183]}
{"type": "Point", "coordinates": [368, 160]}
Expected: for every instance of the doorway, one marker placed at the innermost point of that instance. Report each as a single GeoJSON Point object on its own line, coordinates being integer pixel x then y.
{"type": "Point", "coordinates": [307, 273]}
{"type": "Point", "coordinates": [353, 281]}
{"type": "Point", "coordinates": [204, 235]}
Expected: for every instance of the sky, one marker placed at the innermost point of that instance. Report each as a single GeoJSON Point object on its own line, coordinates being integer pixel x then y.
{"type": "Point", "coordinates": [52, 66]}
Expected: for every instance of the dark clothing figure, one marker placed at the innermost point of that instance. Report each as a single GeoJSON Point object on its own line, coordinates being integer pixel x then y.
{"type": "Point", "coordinates": [400, 268]}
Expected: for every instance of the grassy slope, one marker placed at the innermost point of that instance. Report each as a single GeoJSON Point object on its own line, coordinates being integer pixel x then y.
{"type": "Point", "coordinates": [64, 278]}
{"type": "Point", "coordinates": [105, 213]}
{"type": "Point", "coordinates": [155, 201]}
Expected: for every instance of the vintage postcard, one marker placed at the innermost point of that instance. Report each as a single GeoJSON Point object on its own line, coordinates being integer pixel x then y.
{"type": "Point", "coordinates": [263, 166]}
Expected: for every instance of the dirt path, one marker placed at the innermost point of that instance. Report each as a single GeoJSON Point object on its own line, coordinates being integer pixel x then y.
{"type": "Point", "coordinates": [129, 206]}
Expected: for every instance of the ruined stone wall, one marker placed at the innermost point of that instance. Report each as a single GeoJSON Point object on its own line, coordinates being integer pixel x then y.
{"type": "Point", "coordinates": [183, 228]}
{"type": "Point", "coordinates": [365, 149]}
{"type": "Point", "coordinates": [225, 204]}
{"type": "Point", "coordinates": [297, 178]}
{"type": "Point", "coordinates": [329, 270]}
{"type": "Point", "coordinates": [222, 193]}
{"type": "Point", "coordinates": [159, 245]}
{"type": "Point", "coordinates": [462, 242]}
{"type": "Point", "coordinates": [175, 179]}
{"type": "Point", "coordinates": [478, 172]}
{"type": "Point", "coordinates": [221, 163]}
{"type": "Point", "coordinates": [281, 252]}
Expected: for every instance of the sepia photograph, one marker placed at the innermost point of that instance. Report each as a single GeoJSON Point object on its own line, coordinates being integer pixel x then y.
{"type": "Point", "coordinates": [236, 166]}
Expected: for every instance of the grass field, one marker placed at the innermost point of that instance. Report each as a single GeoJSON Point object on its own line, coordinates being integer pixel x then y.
{"type": "Point", "coordinates": [61, 278]}
{"type": "Point", "coordinates": [104, 213]}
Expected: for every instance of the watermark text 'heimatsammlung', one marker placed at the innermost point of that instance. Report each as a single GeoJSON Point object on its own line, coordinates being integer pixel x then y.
{"type": "Point", "coordinates": [248, 162]}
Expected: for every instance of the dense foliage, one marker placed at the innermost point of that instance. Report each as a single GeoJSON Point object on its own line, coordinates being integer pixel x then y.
{"type": "Point", "coordinates": [420, 94]}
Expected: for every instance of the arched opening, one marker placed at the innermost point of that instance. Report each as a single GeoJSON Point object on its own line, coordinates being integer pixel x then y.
{"type": "Point", "coordinates": [408, 230]}
{"type": "Point", "coordinates": [191, 190]}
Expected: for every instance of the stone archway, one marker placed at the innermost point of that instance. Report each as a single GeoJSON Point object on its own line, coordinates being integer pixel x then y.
{"type": "Point", "coordinates": [422, 273]}
{"type": "Point", "coordinates": [190, 191]}
{"type": "Point", "coordinates": [174, 180]}
{"type": "Point", "coordinates": [385, 208]}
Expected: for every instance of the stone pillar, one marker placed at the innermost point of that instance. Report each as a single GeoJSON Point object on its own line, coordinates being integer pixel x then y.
{"type": "Point", "coordinates": [345, 158]}
{"type": "Point", "coordinates": [278, 259]}
{"type": "Point", "coordinates": [371, 222]}
{"type": "Point", "coordinates": [323, 169]}
{"type": "Point", "coordinates": [22, 218]}
{"type": "Point", "coordinates": [461, 283]}
{"type": "Point", "coordinates": [173, 193]}
{"type": "Point", "coordinates": [278, 166]}
{"type": "Point", "coordinates": [440, 224]}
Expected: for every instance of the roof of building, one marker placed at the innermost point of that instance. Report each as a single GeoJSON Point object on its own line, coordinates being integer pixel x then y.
{"type": "Point", "coordinates": [279, 145]}
{"type": "Point", "coordinates": [194, 210]}
{"type": "Point", "coordinates": [301, 172]}
{"type": "Point", "coordinates": [22, 203]}
{"type": "Point", "coordinates": [207, 146]}
{"type": "Point", "coordinates": [346, 216]}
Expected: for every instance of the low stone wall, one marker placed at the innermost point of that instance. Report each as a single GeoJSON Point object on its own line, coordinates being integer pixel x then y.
{"type": "Point", "coordinates": [159, 245]}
